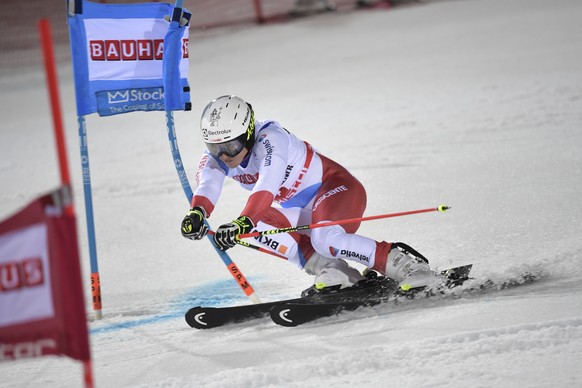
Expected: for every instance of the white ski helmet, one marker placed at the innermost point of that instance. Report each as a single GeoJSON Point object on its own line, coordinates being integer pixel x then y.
{"type": "Point", "coordinates": [228, 125]}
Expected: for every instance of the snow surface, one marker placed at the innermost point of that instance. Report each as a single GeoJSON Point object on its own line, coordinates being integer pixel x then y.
{"type": "Point", "coordinates": [476, 104]}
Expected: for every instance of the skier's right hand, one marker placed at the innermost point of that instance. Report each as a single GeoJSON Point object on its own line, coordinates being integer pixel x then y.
{"type": "Point", "coordinates": [193, 225]}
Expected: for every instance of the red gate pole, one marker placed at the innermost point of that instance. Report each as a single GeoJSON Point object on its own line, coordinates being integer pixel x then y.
{"type": "Point", "coordinates": [53, 89]}
{"type": "Point", "coordinates": [259, 12]}
{"type": "Point", "coordinates": [46, 39]}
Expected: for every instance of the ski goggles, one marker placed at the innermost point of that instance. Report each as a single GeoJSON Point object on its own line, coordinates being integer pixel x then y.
{"type": "Point", "coordinates": [230, 148]}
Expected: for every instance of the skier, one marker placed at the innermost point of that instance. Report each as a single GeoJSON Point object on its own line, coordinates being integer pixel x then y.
{"type": "Point", "coordinates": [306, 186]}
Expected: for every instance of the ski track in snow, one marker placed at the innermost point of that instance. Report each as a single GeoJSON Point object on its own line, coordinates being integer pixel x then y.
{"type": "Point", "coordinates": [475, 103]}
{"type": "Point", "coordinates": [466, 351]}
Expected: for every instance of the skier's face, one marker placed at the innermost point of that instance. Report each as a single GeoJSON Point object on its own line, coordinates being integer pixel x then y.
{"type": "Point", "coordinates": [234, 161]}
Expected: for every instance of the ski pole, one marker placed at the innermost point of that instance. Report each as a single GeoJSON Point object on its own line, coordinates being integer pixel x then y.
{"type": "Point", "coordinates": [440, 208]}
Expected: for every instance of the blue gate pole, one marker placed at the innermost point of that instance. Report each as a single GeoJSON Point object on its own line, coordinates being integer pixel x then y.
{"type": "Point", "coordinates": [171, 75]}
{"type": "Point", "coordinates": [86, 173]}
{"type": "Point", "coordinates": [233, 269]}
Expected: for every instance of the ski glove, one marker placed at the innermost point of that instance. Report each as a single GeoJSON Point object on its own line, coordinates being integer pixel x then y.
{"type": "Point", "coordinates": [226, 235]}
{"type": "Point", "coordinates": [193, 225]}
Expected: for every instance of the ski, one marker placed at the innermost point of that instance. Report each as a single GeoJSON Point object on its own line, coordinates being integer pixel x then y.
{"type": "Point", "coordinates": [292, 314]}
{"type": "Point", "coordinates": [370, 289]}
{"type": "Point", "coordinates": [209, 317]}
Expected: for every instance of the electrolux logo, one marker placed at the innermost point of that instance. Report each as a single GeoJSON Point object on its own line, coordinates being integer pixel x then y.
{"type": "Point", "coordinates": [219, 132]}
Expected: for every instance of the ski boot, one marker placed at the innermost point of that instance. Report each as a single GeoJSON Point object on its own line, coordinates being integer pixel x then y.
{"type": "Point", "coordinates": [411, 270]}
{"type": "Point", "coordinates": [331, 275]}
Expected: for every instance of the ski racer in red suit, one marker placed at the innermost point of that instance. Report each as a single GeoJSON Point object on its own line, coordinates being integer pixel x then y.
{"type": "Point", "coordinates": [291, 184]}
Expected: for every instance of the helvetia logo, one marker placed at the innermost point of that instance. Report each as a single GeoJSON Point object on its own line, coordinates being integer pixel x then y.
{"type": "Point", "coordinates": [333, 251]}
{"type": "Point", "coordinates": [348, 254]}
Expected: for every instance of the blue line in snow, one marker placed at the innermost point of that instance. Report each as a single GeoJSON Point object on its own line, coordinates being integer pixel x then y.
{"type": "Point", "coordinates": [134, 323]}
{"type": "Point", "coordinates": [219, 293]}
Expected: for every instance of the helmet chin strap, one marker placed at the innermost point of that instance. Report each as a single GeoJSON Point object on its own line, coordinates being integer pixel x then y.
{"type": "Point", "coordinates": [246, 159]}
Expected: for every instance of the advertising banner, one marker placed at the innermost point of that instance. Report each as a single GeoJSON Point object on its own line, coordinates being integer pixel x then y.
{"type": "Point", "coordinates": [118, 58]}
{"type": "Point", "coordinates": [42, 308]}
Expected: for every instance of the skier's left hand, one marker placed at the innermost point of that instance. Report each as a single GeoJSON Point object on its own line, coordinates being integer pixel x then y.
{"type": "Point", "coordinates": [227, 234]}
